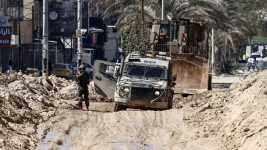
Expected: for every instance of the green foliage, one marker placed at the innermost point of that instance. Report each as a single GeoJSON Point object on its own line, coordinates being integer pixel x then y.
{"type": "Point", "coordinates": [131, 39]}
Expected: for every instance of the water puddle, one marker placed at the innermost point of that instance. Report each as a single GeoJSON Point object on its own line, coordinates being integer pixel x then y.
{"type": "Point", "coordinates": [48, 123]}
{"type": "Point", "coordinates": [48, 141]}
{"type": "Point", "coordinates": [67, 144]}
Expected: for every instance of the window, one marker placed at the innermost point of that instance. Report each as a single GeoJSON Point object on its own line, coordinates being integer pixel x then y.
{"type": "Point", "coordinates": [146, 71]}
{"type": "Point", "coordinates": [255, 56]}
{"type": "Point", "coordinates": [88, 66]}
{"type": "Point", "coordinates": [59, 66]}
{"type": "Point", "coordinates": [106, 69]}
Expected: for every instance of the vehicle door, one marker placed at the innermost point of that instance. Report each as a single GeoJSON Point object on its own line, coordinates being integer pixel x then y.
{"type": "Point", "coordinates": [103, 77]}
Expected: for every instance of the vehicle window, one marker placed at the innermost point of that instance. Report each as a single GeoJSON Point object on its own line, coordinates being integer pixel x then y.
{"type": "Point", "coordinates": [87, 65]}
{"type": "Point", "coordinates": [255, 56]}
{"type": "Point", "coordinates": [106, 69]}
{"type": "Point", "coordinates": [146, 71]}
{"type": "Point", "coordinates": [242, 61]}
{"type": "Point", "coordinates": [155, 72]}
{"type": "Point", "coordinates": [135, 70]}
{"type": "Point", "coordinates": [59, 66]}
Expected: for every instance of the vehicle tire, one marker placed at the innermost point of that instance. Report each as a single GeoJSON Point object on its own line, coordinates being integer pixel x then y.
{"type": "Point", "coordinates": [210, 82]}
{"type": "Point", "coordinates": [170, 102]}
{"type": "Point", "coordinates": [117, 107]}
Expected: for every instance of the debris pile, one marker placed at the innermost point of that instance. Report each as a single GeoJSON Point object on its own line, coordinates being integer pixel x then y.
{"type": "Point", "coordinates": [25, 102]}
{"type": "Point", "coordinates": [236, 117]}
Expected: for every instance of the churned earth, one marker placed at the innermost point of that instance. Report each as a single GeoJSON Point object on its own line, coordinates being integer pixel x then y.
{"type": "Point", "coordinates": [33, 118]}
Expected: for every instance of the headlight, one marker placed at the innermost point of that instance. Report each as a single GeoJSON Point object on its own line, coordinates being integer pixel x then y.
{"type": "Point", "coordinates": [126, 90]}
{"type": "Point", "coordinates": [157, 93]}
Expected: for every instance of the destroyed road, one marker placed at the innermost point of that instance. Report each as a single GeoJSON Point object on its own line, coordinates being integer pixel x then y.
{"type": "Point", "coordinates": [33, 118]}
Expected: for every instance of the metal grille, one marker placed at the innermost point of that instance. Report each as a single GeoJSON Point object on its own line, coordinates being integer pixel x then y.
{"type": "Point", "coordinates": [67, 40]}
{"type": "Point", "coordinates": [145, 94]}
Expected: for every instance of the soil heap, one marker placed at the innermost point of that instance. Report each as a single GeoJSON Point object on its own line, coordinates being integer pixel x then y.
{"type": "Point", "coordinates": [233, 119]}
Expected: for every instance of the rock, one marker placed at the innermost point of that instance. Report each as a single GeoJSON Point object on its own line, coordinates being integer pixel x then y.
{"type": "Point", "coordinates": [246, 130]}
{"type": "Point", "coordinates": [59, 142]}
{"type": "Point", "coordinates": [206, 106]}
{"type": "Point", "coordinates": [2, 143]}
{"type": "Point", "coordinates": [8, 113]}
{"type": "Point", "coordinates": [40, 98]}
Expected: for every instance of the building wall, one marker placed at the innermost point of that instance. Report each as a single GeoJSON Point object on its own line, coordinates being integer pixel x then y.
{"type": "Point", "coordinates": [11, 9]}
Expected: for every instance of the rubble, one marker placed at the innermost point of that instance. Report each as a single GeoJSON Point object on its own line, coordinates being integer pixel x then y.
{"type": "Point", "coordinates": [232, 119]}
{"type": "Point", "coordinates": [25, 103]}
{"type": "Point", "coordinates": [234, 115]}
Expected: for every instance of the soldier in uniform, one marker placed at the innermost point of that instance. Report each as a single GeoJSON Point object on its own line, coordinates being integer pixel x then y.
{"type": "Point", "coordinates": [82, 78]}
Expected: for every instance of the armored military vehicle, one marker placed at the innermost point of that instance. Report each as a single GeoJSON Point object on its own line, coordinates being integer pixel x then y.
{"type": "Point", "coordinates": [141, 81]}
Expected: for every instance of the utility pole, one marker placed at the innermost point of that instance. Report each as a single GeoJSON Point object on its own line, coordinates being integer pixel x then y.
{"type": "Point", "coordinates": [45, 39]}
{"type": "Point", "coordinates": [33, 46]}
{"type": "Point", "coordinates": [20, 54]}
{"type": "Point", "coordinates": [142, 10]}
{"type": "Point", "coordinates": [80, 42]}
{"type": "Point", "coordinates": [5, 7]}
{"type": "Point", "coordinates": [89, 10]}
{"type": "Point", "coordinates": [162, 13]}
{"type": "Point", "coordinates": [212, 49]}
{"type": "Point", "coordinates": [97, 11]}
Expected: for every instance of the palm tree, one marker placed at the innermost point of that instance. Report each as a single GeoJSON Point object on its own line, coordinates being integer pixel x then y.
{"type": "Point", "coordinates": [231, 28]}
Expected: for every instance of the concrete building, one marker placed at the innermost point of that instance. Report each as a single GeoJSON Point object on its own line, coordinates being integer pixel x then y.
{"type": "Point", "coordinates": [113, 43]}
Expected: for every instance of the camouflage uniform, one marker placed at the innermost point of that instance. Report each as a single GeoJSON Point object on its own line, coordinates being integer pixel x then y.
{"type": "Point", "coordinates": [83, 81]}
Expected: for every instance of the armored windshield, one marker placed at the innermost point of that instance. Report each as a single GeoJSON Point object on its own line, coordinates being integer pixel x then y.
{"type": "Point", "coordinates": [146, 71]}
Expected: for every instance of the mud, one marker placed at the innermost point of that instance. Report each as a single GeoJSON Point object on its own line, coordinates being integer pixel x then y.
{"type": "Point", "coordinates": [33, 118]}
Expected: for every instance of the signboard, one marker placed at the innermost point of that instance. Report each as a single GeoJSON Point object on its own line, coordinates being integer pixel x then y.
{"type": "Point", "coordinates": [5, 36]}
{"type": "Point", "coordinates": [14, 40]}
{"type": "Point", "coordinates": [63, 17]}
{"type": "Point", "coordinates": [3, 21]}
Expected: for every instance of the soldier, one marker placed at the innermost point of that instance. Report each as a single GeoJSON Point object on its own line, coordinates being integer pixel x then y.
{"type": "Point", "coordinates": [82, 78]}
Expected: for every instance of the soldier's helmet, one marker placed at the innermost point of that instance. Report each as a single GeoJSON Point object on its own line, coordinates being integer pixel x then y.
{"type": "Point", "coordinates": [82, 67]}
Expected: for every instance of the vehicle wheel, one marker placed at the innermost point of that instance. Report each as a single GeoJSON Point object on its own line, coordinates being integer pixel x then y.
{"type": "Point", "coordinates": [210, 82]}
{"type": "Point", "coordinates": [117, 108]}
{"type": "Point", "coordinates": [170, 102]}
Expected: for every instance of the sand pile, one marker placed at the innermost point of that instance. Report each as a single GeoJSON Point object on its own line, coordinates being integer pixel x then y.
{"type": "Point", "coordinates": [234, 119]}
{"type": "Point", "coordinates": [25, 102]}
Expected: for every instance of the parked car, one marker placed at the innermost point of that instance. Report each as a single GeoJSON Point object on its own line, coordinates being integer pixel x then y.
{"type": "Point", "coordinates": [89, 69]}
{"type": "Point", "coordinates": [62, 70]}
{"type": "Point", "coordinates": [253, 56]}
{"type": "Point", "coordinates": [73, 64]}
{"type": "Point", "coordinates": [242, 63]}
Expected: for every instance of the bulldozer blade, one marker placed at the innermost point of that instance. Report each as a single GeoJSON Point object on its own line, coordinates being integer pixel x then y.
{"type": "Point", "coordinates": [192, 73]}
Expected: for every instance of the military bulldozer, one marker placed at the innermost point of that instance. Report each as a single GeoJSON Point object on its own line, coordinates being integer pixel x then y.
{"type": "Point", "coordinates": [168, 59]}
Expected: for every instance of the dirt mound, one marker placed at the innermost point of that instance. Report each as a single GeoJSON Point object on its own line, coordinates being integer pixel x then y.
{"type": "Point", "coordinates": [233, 119]}
{"type": "Point", "coordinates": [25, 103]}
